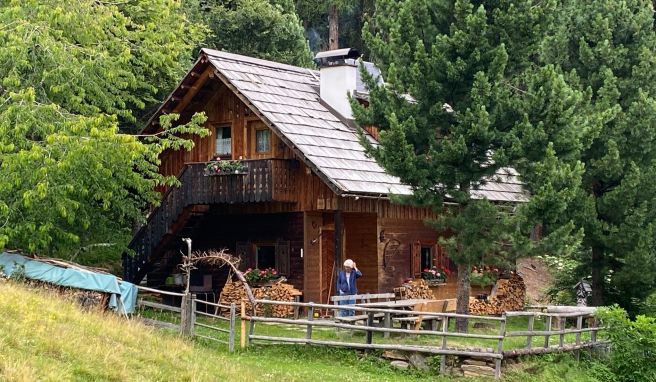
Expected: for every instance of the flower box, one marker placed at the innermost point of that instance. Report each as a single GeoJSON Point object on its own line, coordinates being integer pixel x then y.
{"type": "Point", "coordinates": [218, 167]}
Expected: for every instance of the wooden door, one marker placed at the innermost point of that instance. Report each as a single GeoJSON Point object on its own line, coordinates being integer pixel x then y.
{"type": "Point", "coordinates": [328, 271]}
{"type": "Point", "coordinates": [246, 253]}
{"type": "Point", "coordinates": [282, 257]}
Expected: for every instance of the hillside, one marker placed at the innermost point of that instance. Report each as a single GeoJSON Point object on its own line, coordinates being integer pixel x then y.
{"type": "Point", "coordinates": [46, 338]}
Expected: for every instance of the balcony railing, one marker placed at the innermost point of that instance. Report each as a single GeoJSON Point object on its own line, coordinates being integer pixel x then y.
{"type": "Point", "coordinates": [266, 180]}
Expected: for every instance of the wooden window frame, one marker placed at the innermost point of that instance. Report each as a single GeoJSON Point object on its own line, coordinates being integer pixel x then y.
{"type": "Point", "coordinates": [258, 244]}
{"type": "Point", "coordinates": [270, 150]}
{"type": "Point", "coordinates": [216, 127]}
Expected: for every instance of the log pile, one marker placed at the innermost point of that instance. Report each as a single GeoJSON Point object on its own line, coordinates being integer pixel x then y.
{"type": "Point", "coordinates": [417, 289]}
{"type": "Point", "coordinates": [510, 296]}
{"type": "Point", "coordinates": [234, 292]}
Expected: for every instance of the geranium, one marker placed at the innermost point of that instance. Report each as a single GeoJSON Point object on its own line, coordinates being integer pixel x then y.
{"type": "Point", "coordinates": [218, 166]}
{"type": "Point", "coordinates": [434, 273]}
{"type": "Point", "coordinates": [260, 275]}
{"type": "Point", "coordinates": [484, 276]}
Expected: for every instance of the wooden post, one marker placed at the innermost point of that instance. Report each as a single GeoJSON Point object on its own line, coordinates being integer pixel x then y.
{"type": "Point", "coordinates": [338, 236]}
{"type": "Point", "coordinates": [502, 334]}
{"type": "Point", "coordinates": [529, 338]}
{"type": "Point", "coordinates": [192, 315]}
{"type": "Point", "coordinates": [548, 327]}
{"type": "Point", "coordinates": [243, 324]}
{"type": "Point", "coordinates": [370, 323]}
{"type": "Point", "coordinates": [579, 326]}
{"type": "Point", "coordinates": [445, 329]}
{"type": "Point", "coordinates": [562, 322]}
{"type": "Point", "coordinates": [231, 338]}
{"type": "Point", "coordinates": [593, 334]}
{"type": "Point", "coordinates": [310, 317]}
{"type": "Point", "coordinates": [251, 326]}
{"type": "Point", "coordinates": [186, 315]}
{"type": "Point", "coordinates": [388, 324]}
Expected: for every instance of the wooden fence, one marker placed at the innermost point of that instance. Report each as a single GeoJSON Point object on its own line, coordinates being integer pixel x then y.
{"type": "Point", "coordinates": [582, 332]}
{"type": "Point", "coordinates": [185, 315]}
{"type": "Point", "coordinates": [497, 353]}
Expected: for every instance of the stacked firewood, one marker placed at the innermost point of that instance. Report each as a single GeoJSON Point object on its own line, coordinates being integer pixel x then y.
{"type": "Point", "coordinates": [234, 292]}
{"type": "Point", "coordinates": [510, 296]}
{"type": "Point", "coordinates": [415, 289]}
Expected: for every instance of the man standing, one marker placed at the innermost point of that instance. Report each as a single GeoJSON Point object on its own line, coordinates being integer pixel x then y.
{"type": "Point", "coordinates": [346, 285]}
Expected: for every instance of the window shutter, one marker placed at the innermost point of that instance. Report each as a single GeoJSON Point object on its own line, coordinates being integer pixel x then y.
{"type": "Point", "coordinates": [282, 257]}
{"type": "Point", "coordinates": [415, 259]}
{"type": "Point", "coordinates": [246, 254]}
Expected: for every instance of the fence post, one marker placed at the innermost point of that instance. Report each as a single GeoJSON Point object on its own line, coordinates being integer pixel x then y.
{"type": "Point", "coordinates": [186, 314]}
{"type": "Point", "coordinates": [251, 326]}
{"type": "Point", "coordinates": [562, 323]}
{"type": "Point", "coordinates": [192, 321]}
{"type": "Point", "coordinates": [579, 326]}
{"type": "Point", "coordinates": [370, 323]}
{"type": "Point", "coordinates": [310, 317]}
{"type": "Point", "coordinates": [531, 325]}
{"type": "Point", "coordinates": [445, 329]}
{"type": "Point", "coordinates": [231, 335]}
{"type": "Point", "coordinates": [242, 333]}
{"type": "Point", "coordinates": [548, 326]}
{"type": "Point", "coordinates": [502, 334]}
{"type": "Point", "coordinates": [593, 333]}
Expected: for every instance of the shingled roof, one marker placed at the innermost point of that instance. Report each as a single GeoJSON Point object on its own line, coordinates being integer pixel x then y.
{"type": "Point", "coordinates": [287, 97]}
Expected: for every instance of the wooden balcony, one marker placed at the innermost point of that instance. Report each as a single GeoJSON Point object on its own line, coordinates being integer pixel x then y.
{"type": "Point", "coordinates": [266, 180]}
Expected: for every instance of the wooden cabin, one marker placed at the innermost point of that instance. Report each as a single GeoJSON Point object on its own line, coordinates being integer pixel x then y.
{"type": "Point", "coordinates": [308, 198]}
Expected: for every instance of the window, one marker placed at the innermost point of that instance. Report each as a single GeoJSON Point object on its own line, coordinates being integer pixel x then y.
{"type": "Point", "coordinates": [223, 141]}
{"type": "Point", "coordinates": [426, 258]}
{"type": "Point", "coordinates": [262, 141]}
{"type": "Point", "coordinates": [266, 256]}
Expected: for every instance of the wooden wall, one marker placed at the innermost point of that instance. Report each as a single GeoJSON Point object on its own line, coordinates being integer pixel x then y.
{"type": "Point", "coordinates": [312, 222]}
{"type": "Point", "coordinates": [223, 108]}
{"type": "Point", "coordinates": [360, 240]}
{"type": "Point", "coordinates": [225, 231]}
{"type": "Point", "coordinates": [395, 252]}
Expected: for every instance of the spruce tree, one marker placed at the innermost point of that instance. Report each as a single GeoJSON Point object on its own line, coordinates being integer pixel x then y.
{"type": "Point", "coordinates": [607, 47]}
{"type": "Point", "coordinates": [461, 101]}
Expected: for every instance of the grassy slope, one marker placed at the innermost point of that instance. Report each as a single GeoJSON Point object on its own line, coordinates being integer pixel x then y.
{"type": "Point", "coordinates": [45, 338]}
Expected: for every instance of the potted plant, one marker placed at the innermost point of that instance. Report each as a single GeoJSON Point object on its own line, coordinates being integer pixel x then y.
{"type": "Point", "coordinates": [484, 276]}
{"type": "Point", "coordinates": [434, 275]}
{"type": "Point", "coordinates": [260, 277]}
{"type": "Point", "coordinates": [218, 166]}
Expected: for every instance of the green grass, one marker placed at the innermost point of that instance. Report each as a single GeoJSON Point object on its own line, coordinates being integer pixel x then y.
{"type": "Point", "coordinates": [45, 338]}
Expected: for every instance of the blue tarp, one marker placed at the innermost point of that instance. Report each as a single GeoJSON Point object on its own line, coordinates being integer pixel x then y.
{"type": "Point", "coordinates": [123, 294]}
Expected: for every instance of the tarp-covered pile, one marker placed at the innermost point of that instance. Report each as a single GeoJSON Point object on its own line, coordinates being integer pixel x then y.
{"type": "Point", "coordinates": [123, 295]}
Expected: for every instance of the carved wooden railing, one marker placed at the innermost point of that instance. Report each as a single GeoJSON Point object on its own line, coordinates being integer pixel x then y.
{"type": "Point", "coordinates": [267, 180]}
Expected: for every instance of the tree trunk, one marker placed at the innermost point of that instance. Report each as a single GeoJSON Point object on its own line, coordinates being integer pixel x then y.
{"type": "Point", "coordinates": [462, 304]}
{"type": "Point", "coordinates": [597, 276]}
{"type": "Point", "coordinates": [333, 23]}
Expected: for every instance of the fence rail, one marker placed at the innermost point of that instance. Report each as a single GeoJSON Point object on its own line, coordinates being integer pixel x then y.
{"type": "Point", "coordinates": [219, 328]}
{"type": "Point", "coordinates": [497, 353]}
{"type": "Point", "coordinates": [186, 316]}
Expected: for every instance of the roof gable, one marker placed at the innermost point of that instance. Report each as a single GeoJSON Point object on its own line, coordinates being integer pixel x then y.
{"type": "Point", "coordinates": [287, 99]}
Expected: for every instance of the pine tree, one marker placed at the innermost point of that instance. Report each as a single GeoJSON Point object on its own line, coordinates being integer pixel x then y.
{"type": "Point", "coordinates": [477, 105]}
{"type": "Point", "coordinates": [607, 48]}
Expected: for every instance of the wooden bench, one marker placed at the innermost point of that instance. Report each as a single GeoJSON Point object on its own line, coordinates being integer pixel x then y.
{"type": "Point", "coordinates": [438, 306]}
{"type": "Point", "coordinates": [360, 298]}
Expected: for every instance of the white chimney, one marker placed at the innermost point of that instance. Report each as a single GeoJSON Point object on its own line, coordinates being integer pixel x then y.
{"type": "Point", "coordinates": [339, 78]}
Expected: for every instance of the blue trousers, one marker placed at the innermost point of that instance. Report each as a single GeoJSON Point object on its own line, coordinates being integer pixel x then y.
{"type": "Point", "coordinates": [346, 312]}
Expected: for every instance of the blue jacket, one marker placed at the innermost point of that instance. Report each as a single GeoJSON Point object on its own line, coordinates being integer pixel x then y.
{"type": "Point", "coordinates": [344, 288]}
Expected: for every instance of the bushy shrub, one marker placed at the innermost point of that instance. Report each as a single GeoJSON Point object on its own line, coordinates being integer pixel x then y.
{"type": "Point", "coordinates": [633, 345]}
{"type": "Point", "coordinates": [649, 306]}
